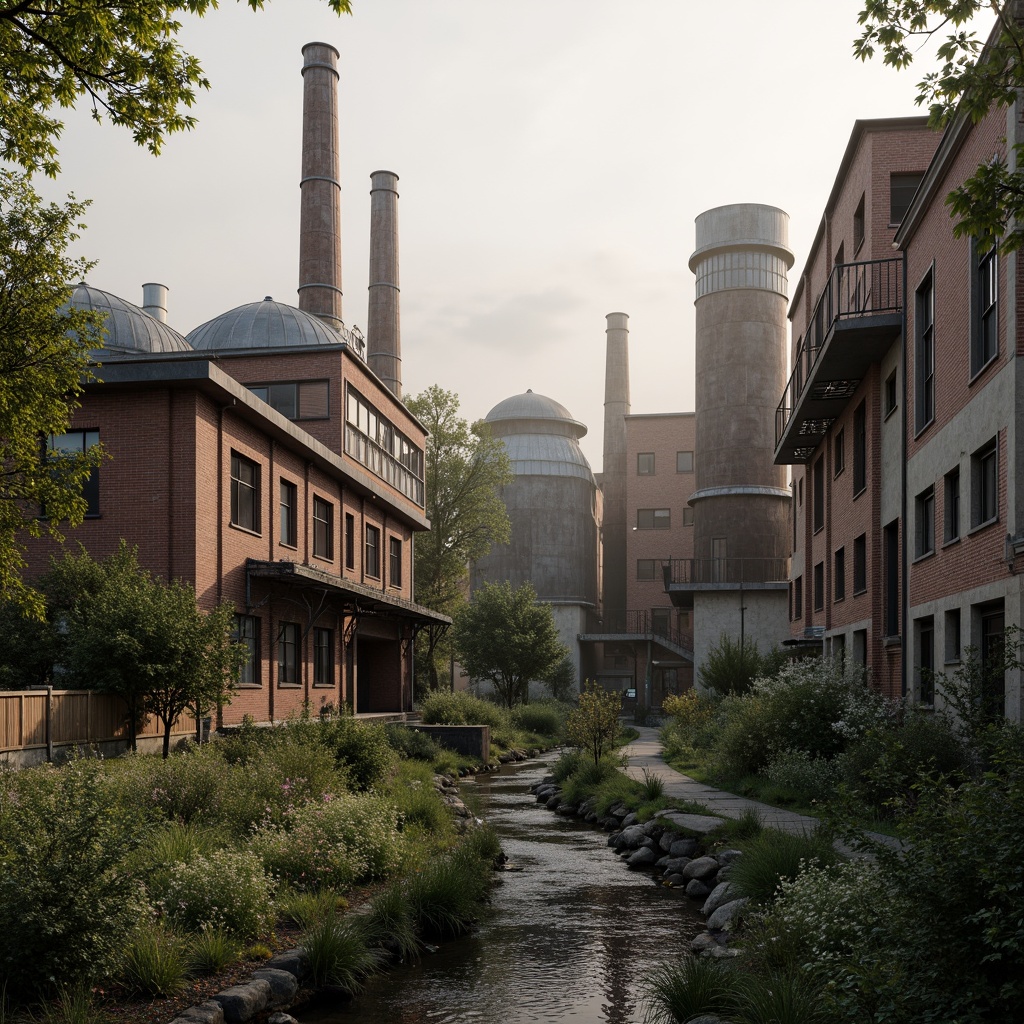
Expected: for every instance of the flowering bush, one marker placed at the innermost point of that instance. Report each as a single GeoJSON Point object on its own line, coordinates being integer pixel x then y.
{"type": "Point", "coordinates": [691, 724]}
{"type": "Point", "coordinates": [334, 842]}
{"type": "Point", "coordinates": [227, 889]}
{"type": "Point", "coordinates": [813, 778]}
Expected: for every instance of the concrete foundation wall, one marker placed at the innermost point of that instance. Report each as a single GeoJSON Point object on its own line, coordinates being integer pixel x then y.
{"type": "Point", "coordinates": [470, 740]}
{"type": "Point", "coordinates": [765, 620]}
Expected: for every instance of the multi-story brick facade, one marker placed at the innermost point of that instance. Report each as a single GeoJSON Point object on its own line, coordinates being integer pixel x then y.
{"type": "Point", "coordinates": [900, 417]}
{"type": "Point", "coordinates": [303, 518]}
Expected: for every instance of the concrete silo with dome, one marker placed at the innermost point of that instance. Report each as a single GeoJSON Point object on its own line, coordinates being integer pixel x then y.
{"type": "Point", "coordinates": [552, 505]}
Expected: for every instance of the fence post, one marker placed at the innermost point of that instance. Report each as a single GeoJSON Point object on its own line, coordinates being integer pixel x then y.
{"type": "Point", "coordinates": [49, 724]}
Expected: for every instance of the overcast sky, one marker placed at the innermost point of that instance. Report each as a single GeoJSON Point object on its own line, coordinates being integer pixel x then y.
{"type": "Point", "coordinates": [553, 155]}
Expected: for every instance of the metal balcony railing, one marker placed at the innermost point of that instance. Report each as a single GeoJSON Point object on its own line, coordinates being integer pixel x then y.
{"type": "Point", "coordinates": [853, 290]}
{"type": "Point", "coordinates": [704, 571]}
{"type": "Point", "coordinates": [643, 624]}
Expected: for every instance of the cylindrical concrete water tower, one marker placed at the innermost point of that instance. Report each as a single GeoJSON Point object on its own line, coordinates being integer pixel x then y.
{"type": "Point", "coordinates": [741, 505]}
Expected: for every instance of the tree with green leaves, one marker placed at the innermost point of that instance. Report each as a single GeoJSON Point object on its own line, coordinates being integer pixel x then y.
{"type": "Point", "coordinates": [594, 723]}
{"type": "Point", "coordinates": [506, 637]}
{"type": "Point", "coordinates": [123, 631]}
{"type": "Point", "coordinates": [44, 354]}
{"type": "Point", "coordinates": [123, 58]}
{"type": "Point", "coordinates": [974, 77]}
{"type": "Point", "coordinates": [465, 470]}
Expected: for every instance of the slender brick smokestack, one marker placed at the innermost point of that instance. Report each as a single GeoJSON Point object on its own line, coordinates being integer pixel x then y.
{"type": "Point", "coordinates": [320, 217]}
{"type": "Point", "coordinates": [613, 472]}
{"type": "Point", "coordinates": [383, 329]}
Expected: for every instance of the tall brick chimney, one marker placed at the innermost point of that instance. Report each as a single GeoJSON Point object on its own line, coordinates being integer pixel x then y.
{"type": "Point", "coordinates": [383, 329]}
{"type": "Point", "coordinates": [320, 187]}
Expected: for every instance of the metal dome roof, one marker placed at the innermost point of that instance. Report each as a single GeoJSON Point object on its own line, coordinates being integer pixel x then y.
{"type": "Point", "coordinates": [128, 328]}
{"type": "Point", "coordinates": [267, 324]}
{"type": "Point", "coordinates": [533, 413]}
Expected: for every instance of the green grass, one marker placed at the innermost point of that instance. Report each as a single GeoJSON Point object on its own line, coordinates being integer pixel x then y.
{"type": "Point", "coordinates": [156, 962]}
{"type": "Point", "coordinates": [392, 923]}
{"type": "Point", "coordinates": [212, 951]}
{"type": "Point", "coordinates": [773, 856]}
{"type": "Point", "coordinates": [340, 952]}
{"type": "Point", "coordinates": [689, 988]}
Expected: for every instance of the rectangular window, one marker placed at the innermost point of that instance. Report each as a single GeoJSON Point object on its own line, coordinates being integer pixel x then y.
{"type": "Point", "coordinates": [653, 519]}
{"type": "Point", "coordinates": [839, 452]}
{"type": "Point", "coordinates": [247, 633]}
{"type": "Point", "coordinates": [289, 505]}
{"type": "Point", "coordinates": [952, 637]}
{"type": "Point", "coordinates": [839, 574]}
{"type": "Point", "coordinates": [645, 464]}
{"type": "Point", "coordinates": [925, 630]}
{"type": "Point", "coordinates": [924, 523]}
{"type": "Point", "coordinates": [296, 400]}
{"type": "Point", "coordinates": [684, 462]}
{"type": "Point", "coordinates": [860, 448]}
{"type": "Point", "coordinates": [984, 484]}
{"type": "Point", "coordinates": [78, 442]}
{"type": "Point", "coordinates": [687, 517]}
{"type": "Point", "coordinates": [323, 656]}
{"type": "Point", "coordinates": [661, 621]}
{"type": "Point", "coordinates": [951, 517]}
{"type": "Point", "coordinates": [819, 494]}
{"type": "Point", "coordinates": [350, 541]}
{"type": "Point", "coordinates": [819, 586]}
{"type": "Point", "coordinates": [798, 598]}
{"type": "Point", "coordinates": [288, 654]}
{"type": "Point", "coordinates": [245, 493]}
{"type": "Point", "coordinates": [860, 647]}
{"type": "Point", "coordinates": [394, 562]}
{"type": "Point", "coordinates": [985, 309]}
{"type": "Point", "coordinates": [645, 569]}
{"type": "Point", "coordinates": [860, 564]}
{"type": "Point", "coordinates": [323, 529]}
{"type": "Point", "coordinates": [889, 399]}
{"type": "Point", "coordinates": [372, 564]}
{"type": "Point", "coordinates": [892, 578]}
{"type": "Point", "coordinates": [901, 193]}
{"type": "Point", "coordinates": [924, 355]}
{"type": "Point", "coordinates": [858, 225]}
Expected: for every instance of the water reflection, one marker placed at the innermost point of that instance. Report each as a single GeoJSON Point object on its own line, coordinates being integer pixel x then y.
{"type": "Point", "coordinates": [567, 939]}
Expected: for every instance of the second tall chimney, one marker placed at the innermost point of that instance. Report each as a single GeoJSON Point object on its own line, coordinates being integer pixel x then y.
{"type": "Point", "coordinates": [320, 215]}
{"type": "Point", "coordinates": [383, 329]}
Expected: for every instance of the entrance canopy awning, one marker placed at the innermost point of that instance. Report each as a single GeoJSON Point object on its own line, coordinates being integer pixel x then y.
{"type": "Point", "coordinates": [359, 597]}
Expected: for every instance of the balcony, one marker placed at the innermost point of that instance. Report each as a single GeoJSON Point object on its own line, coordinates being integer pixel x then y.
{"type": "Point", "coordinates": [642, 626]}
{"type": "Point", "coordinates": [686, 576]}
{"type": "Point", "coordinates": [856, 319]}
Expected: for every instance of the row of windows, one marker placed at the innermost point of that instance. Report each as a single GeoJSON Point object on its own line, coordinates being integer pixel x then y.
{"type": "Point", "coordinates": [984, 328]}
{"type": "Point", "coordinates": [860, 578]}
{"type": "Point", "coordinates": [298, 400]}
{"type": "Point", "coordinates": [289, 639]}
{"type": "Point", "coordinates": [660, 518]}
{"type": "Point", "coordinates": [984, 507]}
{"type": "Point", "coordinates": [744, 269]}
{"type": "Point", "coordinates": [246, 514]}
{"type": "Point", "coordinates": [372, 440]}
{"type": "Point", "coordinates": [645, 463]}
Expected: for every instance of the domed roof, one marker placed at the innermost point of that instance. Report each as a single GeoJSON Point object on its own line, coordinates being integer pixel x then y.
{"type": "Point", "coordinates": [266, 324]}
{"type": "Point", "coordinates": [128, 328]}
{"type": "Point", "coordinates": [540, 436]}
{"type": "Point", "coordinates": [533, 413]}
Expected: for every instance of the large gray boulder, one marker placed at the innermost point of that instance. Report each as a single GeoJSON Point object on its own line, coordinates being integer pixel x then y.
{"type": "Point", "coordinates": [645, 857]}
{"type": "Point", "coordinates": [629, 838]}
{"type": "Point", "coordinates": [721, 920]}
{"type": "Point", "coordinates": [283, 985]}
{"type": "Point", "coordinates": [702, 868]}
{"type": "Point", "coordinates": [243, 1002]}
{"type": "Point", "coordinates": [682, 847]}
{"type": "Point", "coordinates": [205, 1013]}
{"type": "Point", "coordinates": [294, 961]}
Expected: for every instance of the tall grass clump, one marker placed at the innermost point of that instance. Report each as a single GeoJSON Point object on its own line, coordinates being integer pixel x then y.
{"type": "Point", "coordinates": [156, 961]}
{"type": "Point", "coordinates": [391, 923]}
{"type": "Point", "coordinates": [212, 951]}
{"type": "Point", "coordinates": [73, 1004]}
{"type": "Point", "coordinates": [544, 718]}
{"type": "Point", "coordinates": [340, 952]}
{"type": "Point", "coordinates": [305, 908]}
{"type": "Point", "coordinates": [455, 707]}
{"type": "Point", "coordinates": [772, 857]}
{"type": "Point", "coordinates": [690, 988]}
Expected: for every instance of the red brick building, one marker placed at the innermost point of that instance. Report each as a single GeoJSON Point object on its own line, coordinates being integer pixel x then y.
{"type": "Point", "coordinates": [900, 416]}
{"type": "Point", "coordinates": [268, 467]}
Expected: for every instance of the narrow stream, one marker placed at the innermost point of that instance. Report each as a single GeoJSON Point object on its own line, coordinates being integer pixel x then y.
{"type": "Point", "coordinates": [569, 938]}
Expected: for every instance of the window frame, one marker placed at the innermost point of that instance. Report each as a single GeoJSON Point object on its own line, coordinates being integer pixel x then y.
{"type": "Point", "coordinates": [323, 657]}
{"type": "Point", "coordinates": [371, 557]}
{"type": "Point", "coordinates": [890, 395]}
{"type": "Point", "coordinates": [245, 494]}
{"type": "Point", "coordinates": [818, 495]}
{"type": "Point", "coordinates": [687, 516]}
{"type": "Point", "coordinates": [858, 225]}
{"type": "Point", "coordinates": [653, 567]}
{"type": "Point", "coordinates": [288, 526]}
{"type": "Point", "coordinates": [984, 308]}
{"type": "Point", "coordinates": [659, 519]}
{"type": "Point", "coordinates": [323, 528]}
{"type": "Point", "coordinates": [839, 575]}
{"type": "Point", "coordinates": [838, 452]}
{"type": "Point", "coordinates": [688, 461]}
{"type": "Point", "coordinates": [907, 182]}
{"type": "Point", "coordinates": [819, 586]}
{"type": "Point", "coordinates": [350, 541]}
{"type": "Point", "coordinates": [951, 510]}
{"type": "Point", "coordinates": [87, 438]}
{"type": "Point", "coordinates": [985, 485]}
{"type": "Point", "coordinates": [798, 598]}
{"type": "Point", "coordinates": [246, 631]}
{"type": "Point", "coordinates": [924, 353]}
{"type": "Point", "coordinates": [860, 448]}
{"type": "Point", "coordinates": [860, 564]}
{"type": "Point", "coordinates": [289, 639]}
{"type": "Point", "coordinates": [645, 463]}
{"type": "Point", "coordinates": [924, 523]}
{"type": "Point", "coordinates": [394, 561]}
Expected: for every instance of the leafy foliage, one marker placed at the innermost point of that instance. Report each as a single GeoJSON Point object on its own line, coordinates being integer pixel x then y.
{"type": "Point", "coordinates": [506, 637]}
{"type": "Point", "coordinates": [594, 724]}
{"type": "Point", "coordinates": [456, 707]}
{"type": "Point", "coordinates": [44, 354]}
{"type": "Point", "coordinates": [973, 78]}
{"type": "Point", "coordinates": [465, 470]}
{"type": "Point", "coordinates": [124, 58]}
{"type": "Point", "coordinates": [732, 667]}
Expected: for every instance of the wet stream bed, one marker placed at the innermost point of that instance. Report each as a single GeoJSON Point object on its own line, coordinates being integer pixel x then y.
{"type": "Point", "coordinates": [568, 937]}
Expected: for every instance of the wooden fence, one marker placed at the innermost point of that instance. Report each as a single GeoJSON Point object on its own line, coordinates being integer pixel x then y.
{"type": "Point", "coordinates": [48, 718]}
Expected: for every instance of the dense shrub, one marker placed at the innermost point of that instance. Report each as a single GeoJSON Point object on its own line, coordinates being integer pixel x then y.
{"type": "Point", "coordinates": [691, 723]}
{"type": "Point", "coordinates": [227, 889]}
{"type": "Point", "coordinates": [732, 667]}
{"type": "Point", "coordinates": [809, 778]}
{"type": "Point", "coordinates": [333, 843]}
{"type": "Point", "coordinates": [456, 707]}
{"type": "Point", "coordinates": [545, 718]}
{"type": "Point", "coordinates": [772, 857]}
{"type": "Point", "coordinates": [410, 743]}
{"type": "Point", "coordinates": [362, 749]}
{"type": "Point", "coordinates": [66, 904]}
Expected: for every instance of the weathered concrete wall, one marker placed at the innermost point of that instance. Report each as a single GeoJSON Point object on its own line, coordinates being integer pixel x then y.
{"type": "Point", "coordinates": [765, 620]}
{"type": "Point", "coordinates": [471, 740]}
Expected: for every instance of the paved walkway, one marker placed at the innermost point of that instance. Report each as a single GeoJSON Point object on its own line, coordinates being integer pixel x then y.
{"type": "Point", "coordinates": [645, 753]}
